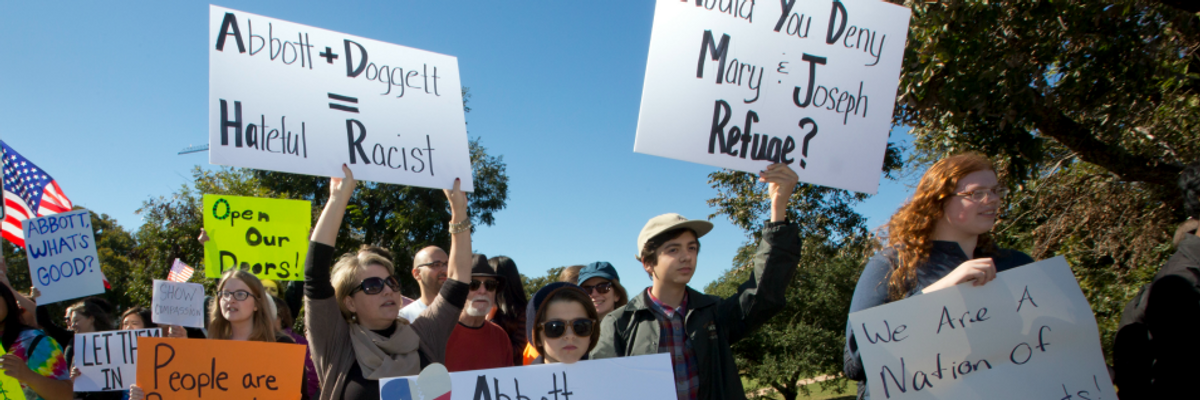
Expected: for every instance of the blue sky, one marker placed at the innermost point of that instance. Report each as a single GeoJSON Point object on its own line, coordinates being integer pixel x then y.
{"type": "Point", "coordinates": [103, 98]}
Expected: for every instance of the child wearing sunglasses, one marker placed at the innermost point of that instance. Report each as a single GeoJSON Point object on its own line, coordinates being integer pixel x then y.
{"type": "Point", "coordinates": [564, 325]}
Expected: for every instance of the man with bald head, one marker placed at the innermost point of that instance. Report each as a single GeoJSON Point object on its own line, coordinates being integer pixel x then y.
{"type": "Point", "coordinates": [429, 269]}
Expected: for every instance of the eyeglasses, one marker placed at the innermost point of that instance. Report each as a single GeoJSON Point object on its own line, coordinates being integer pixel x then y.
{"type": "Point", "coordinates": [434, 265]}
{"type": "Point", "coordinates": [374, 285]}
{"type": "Point", "coordinates": [555, 328]}
{"type": "Point", "coordinates": [982, 195]}
{"type": "Point", "coordinates": [601, 288]}
{"type": "Point", "coordinates": [238, 295]}
{"type": "Point", "coordinates": [489, 285]}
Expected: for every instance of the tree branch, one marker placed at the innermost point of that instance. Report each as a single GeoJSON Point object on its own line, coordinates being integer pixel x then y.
{"type": "Point", "coordinates": [1130, 167]}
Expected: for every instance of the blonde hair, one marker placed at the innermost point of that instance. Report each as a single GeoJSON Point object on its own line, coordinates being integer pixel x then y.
{"type": "Point", "coordinates": [345, 274]}
{"type": "Point", "coordinates": [909, 230]}
{"type": "Point", "coordinates": [263, 323]}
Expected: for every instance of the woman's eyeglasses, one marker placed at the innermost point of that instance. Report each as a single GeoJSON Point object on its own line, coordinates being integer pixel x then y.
{"type": "Point", "coordinates": [601, 288]}
{"type": "Point", "coordinates": [555, 328]}
{"type": "Point", "coordinates": [982, 195]}
{"type": "Point", "coordinates": [374, 285]}
{"type": "Point", "coordinates": [238, 295]}
{"type": "Point", "coordinates": [489, 285]}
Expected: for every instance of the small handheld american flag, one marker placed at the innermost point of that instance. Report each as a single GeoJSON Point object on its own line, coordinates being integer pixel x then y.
{"type": "Point", "coordinates": [28, 192]}
{"type": "Point", "coordinates": [180, 272]}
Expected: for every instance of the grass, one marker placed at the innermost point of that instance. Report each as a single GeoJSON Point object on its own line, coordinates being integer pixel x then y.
{"type": "Point", "coordinates": [816, 391]}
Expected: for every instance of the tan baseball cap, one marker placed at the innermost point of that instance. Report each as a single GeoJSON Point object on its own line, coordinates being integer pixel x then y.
{"type": "Point", "coordinates": [666, 222]}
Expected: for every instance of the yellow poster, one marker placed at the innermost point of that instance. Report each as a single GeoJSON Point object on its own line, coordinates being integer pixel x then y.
{"type": "Point", "coordinates": [10, 389]}
{"type": "Point", "coordinates": [267, 237]}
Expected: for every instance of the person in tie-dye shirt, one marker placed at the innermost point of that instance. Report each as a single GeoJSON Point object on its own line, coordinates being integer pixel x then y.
{"type": "Point", "coordinates": [32, 357]}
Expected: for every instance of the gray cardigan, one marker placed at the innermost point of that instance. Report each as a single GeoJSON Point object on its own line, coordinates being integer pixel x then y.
{"type": "Point", "coordinates": [329, 332]}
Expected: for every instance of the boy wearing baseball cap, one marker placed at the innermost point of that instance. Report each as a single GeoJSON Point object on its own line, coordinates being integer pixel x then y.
{"type": "Point", "coordinates": [694, 328]}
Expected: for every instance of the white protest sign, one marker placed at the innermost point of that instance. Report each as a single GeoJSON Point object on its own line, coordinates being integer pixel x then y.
{"type": "Point", "coordinates": [107, 361]}
{"type": "Point", "coordinates": [742, 84]}
{"type": "Point", "coordinates": [1027, 334]}
{"type": "Point", "coordinates": [61, 249]}
{"type": "Point", "coordinates": [639, 377]}
{"type": "Point", "coordinates": [178, 303]}
{"type": "Point", "coordinates": [294, 98]}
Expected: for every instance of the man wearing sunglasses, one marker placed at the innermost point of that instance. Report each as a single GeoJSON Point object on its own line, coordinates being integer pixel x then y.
{"type": "Point", "coordinates": [429, 269]}
{"type": "Point", "coordinates": [695, 328]}
{"type": "Point", "coordinates": [477, 343]}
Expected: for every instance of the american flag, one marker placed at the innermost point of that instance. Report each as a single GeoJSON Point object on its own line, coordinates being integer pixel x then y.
{"type": "Point", "coordinates": [28, 192]}
{"type": "Point", "coordinates": [180, 272]}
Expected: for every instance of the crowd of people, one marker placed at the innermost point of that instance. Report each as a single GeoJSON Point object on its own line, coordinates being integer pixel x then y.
{"type": "Point", "coordinates": [472, 311]}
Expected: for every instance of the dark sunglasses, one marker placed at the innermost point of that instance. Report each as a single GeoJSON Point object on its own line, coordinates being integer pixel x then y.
{"type": "Point", "coordinates": [601, 288]}
{"type": "Point", "coordinates": [374, 285]}
{"type": "Point", "coordinates": [554, 329]}
{"type": "Point", "coordinates": [489, 285]}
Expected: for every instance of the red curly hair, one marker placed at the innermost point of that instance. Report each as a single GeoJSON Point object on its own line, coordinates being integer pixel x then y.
{"type": "Point", "coordinates": [909, 230]}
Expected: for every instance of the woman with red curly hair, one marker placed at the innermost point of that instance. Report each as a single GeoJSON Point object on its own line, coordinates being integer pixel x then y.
{"type": "Point", "coordinates": [937, 240]}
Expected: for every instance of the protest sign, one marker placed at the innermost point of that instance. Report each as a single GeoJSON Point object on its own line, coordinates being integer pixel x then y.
{"type": "Point", "coordinates": [294, 98]}
{"type": "Point", "coordinates": [10, 388]}
{"type": "Point", "coordinates": [107, 361]}
{"type": "Point", "coordinates": [267, 237]}
{"type": "Point", "coordinates": [178, 303]}
{"type": "Point", "coordinates": [743, 84]}
{"type": "Point", "coordinates": [640, 377]}
{"type": "Point", "coordinates": [184, 369]}
{"type": "Point", "coordinates": [62, 256]}
{"type": "Point", "coordinates": [1027, 334]}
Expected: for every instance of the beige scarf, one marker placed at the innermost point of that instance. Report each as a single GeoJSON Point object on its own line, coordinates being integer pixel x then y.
{"type": "Point", "coordinates": [386, 357]}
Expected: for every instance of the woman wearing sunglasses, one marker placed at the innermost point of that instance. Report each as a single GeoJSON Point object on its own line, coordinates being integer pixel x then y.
{"type": "Point", "coordinates": [937, 240]}
{"type": "Point", "coordinates": [564, 327]}
{"type": "Point", "coordinates": [603, 285]}
{"type": "Point", "coordinates": [355, 334]}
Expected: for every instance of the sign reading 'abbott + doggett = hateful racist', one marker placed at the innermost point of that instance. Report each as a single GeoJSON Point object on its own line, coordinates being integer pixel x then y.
{"type": "Point", "coordinates": [294, 98]}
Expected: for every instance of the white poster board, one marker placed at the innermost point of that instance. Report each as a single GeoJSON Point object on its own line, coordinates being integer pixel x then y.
{"type": "Point", "coordinates": [61, 249]}
{"type": "Point", "coordinates": [742, 85]}
{"type": "Point", "coordinates": [294, 98]}
{"type": "Point", "coordinates": [178, 303]}
{"type": "Point", "coordinates": [640, 377]}
{"type": "Point", "coordinates": [107, 361]}
{"type": "Point", "coordinates": [1027, 334]}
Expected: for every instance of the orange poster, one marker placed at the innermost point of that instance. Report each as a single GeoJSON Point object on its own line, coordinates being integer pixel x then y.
{"type": "Point", "coordinates": [171, 368]}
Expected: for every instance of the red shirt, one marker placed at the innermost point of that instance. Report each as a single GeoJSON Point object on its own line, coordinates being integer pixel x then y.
{"type": "Point", "coordinates": [478, 348]}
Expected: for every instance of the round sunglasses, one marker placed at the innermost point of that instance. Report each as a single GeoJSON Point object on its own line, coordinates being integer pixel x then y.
{"type": "Point", "coordinates": [374, 285]}
{"type": "Point", "coordinates": [601, 288]}
{"type": "Point", "coordinates": [555, 328]}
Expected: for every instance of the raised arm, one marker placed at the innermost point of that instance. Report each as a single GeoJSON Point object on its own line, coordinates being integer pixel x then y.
{"type": "Point", "coordinates": [340, 190]}
{"type": "Point", "coordinates": [781, 181]}
{"type": "Point", "coordinates": [460, 235]}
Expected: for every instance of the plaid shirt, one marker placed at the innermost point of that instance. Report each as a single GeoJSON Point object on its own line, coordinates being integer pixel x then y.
{"type": "Point", "coordinates": [673, 339]}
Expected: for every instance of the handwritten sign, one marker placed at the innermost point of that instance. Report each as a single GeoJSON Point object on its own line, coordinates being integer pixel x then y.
{"type": "Point", "coordinates": [267, 237]}
{"type": "Point", "coordinates": [10, 388]}
{"type": "Point", "coordinates": [640, 377]}
{"type": "Point", "coordinates": [178, 303]}
{"type": "Point", "coordinates": [107, 361]}
{"type": "Point", "coordinates": [62, 256]}
{"type": "Point", "coordinates": [1031, 325]}
{"type": "Point", "coordinates": [294, 98]}
{"type": "Point", "coordinates": [187, 369]}
{"type": "Point", "coordinates": [742, 84]}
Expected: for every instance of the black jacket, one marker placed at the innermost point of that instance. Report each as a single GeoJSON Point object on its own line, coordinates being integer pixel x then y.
{"type": "Point", "coordinates": [712, 323]}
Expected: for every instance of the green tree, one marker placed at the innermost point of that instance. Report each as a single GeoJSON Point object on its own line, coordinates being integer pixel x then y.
{"type": "Point", "coordinates": [533, 284]}
{"type": "Point", "coordinates": [1090, 110]}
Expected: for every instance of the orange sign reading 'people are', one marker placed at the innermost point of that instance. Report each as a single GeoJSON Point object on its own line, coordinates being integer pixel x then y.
{"type": "Point", "coordinates": [170, 368]}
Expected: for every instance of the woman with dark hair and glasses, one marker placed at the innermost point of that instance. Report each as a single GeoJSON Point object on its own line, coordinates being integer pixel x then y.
{"type": "Point", "coordinates": [564, 327]}
{"type": "Point", "coordinates": [355, 335]}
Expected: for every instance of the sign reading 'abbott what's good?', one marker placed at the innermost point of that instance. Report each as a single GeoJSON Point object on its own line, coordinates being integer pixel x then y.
{"type": "Point", "coordinates": [640, 377]}
{"type": "Point", "coordinates": [61, 249]}
{"type": "Point", "coordinates": [267, 237]}
{"type": "Point", "coordinates": [1028, 334]}
{"type": "Point", "coordinates": [294, 98]}
{"type": "Point", "coordinates": [107, 361]}
{"type": "Point", "coordinates": [744, 84]}
{"type": "Point", "coordinates": [187, 369]}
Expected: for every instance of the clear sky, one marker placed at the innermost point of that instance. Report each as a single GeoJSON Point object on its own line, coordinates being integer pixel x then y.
{"type": "Point", "coordinates": [103, 98]}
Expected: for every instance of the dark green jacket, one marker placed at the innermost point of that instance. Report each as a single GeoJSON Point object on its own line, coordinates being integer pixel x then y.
{"type": "Point", "coordinates": [712, 323]}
